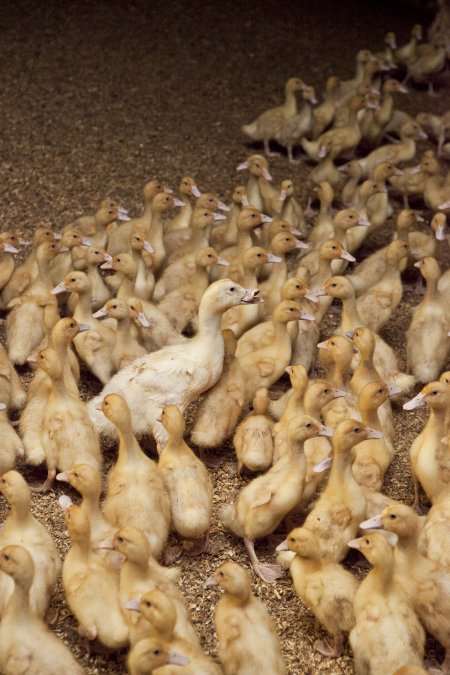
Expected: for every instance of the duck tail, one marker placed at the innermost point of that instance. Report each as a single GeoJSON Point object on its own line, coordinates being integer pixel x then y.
{"type": "Point", "coordinates": [251, 130]}
{"type": "Point", "coordinates": [24, 332]}
{"type": "Point", "coordinates": [404, 381]}
{"type": "Point", "coordinates": [228, 516]}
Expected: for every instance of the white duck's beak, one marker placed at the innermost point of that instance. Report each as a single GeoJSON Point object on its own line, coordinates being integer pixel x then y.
{"type": "Point", "coordinates": [7, 248]}
{"type": "Point", "coordinates": [195, 192]}
{"type": "Point", "coordinates": [223, 207]}
{"type": "Point", "coordinates": [24, 242]}
{"type": "Point", "coordinates": [444, 206]}
{"type": "Point", "coordinates": [63, 249]}
{"type": "Point", "coordinates": [100, 313]}
{"type": "Point", "coordinates": [339, 393]}
{"type": "Point", "coordinates": [86, 242]}
{"type": "Point", "coordinates": [219, 216]}
{"type": "Point", "coordinates": [306, 316]}
{"type": "Point", "coordinates": [107, 265]}
{"type": "Point", "coordinates": [222, 261]}
{"type": "Point", "coordinates": [355, 543]}
{"type": "Point", "coordinates": [322, 345]}
{"type": "Point", "coordinates": [311, 296]}
{"type": "Point", "coordinates": [322, 152]}
{"type": "Point", "coordinates": [373, 433]}
{"type": "Point", "coordinates": [65, 501]}
{"type": "Point", "coordinates": [210, 581]}
{"type": "Point", "coordinates": [168, 191]}
{"type": "Point", "coordinates": [122, 217]}
{"type": "Point", "coordinates": [345, 255]}
{"type": "Point", "coordinates": [324, 465]}
{"type": "Point", "coordinates": [245, 201]}
{"type": "Point", "coordinates": [63, 476]}
{"type": "Point", "coordinates": [415, 170]}
{"type": "Point", "coordinates": [349, 334]}
{"type": "Point", "coordinates": [148, 247]}
{"type": "Point", "coordinates": [99, 405]}
{"type": "Point", "coordinates": [178, 203]}
{"type": "Point", "coordinates": [372, 523]}
{"type": "Point", "coordinates": [301, 244]}
{"type": "Point", "coordinates": [282, 196]}
{"type": "Point", "coordinates": [393, 390]}
{"type": "Point", "coordinates": [107, 257]}
{"type": "Point", "coordinates": [325, 431]}
{"type": "Point", "coordinates": [243, 166]}
{"type": "Point", "coordinates": [176, 659]}
{"type": "Point", "coordinates": [143, 320]}
{"type": "Point", "coordinates": [320, 291]}
{"type": "Point", "coordinates": [57, 235]}
{"type": "Point", "coordinates": [83, 327]}
{"type": "Point", "coordinates": [106, 544]}
{"type": "Point", "coordinates": [251, 297]}
{"type": "Point", "coordinates": [133, 605]}
{"type": "Point", "coordinates": [440, 233]}
{"type": "Point", "coordinates": [267, 175]}
{"type": "Point", "coordinates": [123, 211]}
{"type": "Point", "coordinates": [418, 263]}
{"type": "Point", "coordinates": [364, 221]}
{"type": "Point", "coordinates": [2, 406]}
{"type": "Point", "coordinates": [283, 546]}
{"type": "Point", "coordinates": [265, 219]}
{"type": "Point", "coordinates": [60, 288]}
{"type": "Point", "coordinates": [416, 402]}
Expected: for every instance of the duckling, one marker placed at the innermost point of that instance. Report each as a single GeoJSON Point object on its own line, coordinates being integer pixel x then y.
{"type": "Point", "coordinates": [126, 270]}
{"type": "Point", "coordinates": [151, 326]}
{"type": "Point", "coordinates": [425, 68]}
{"type": "Point", "coordinates": [404, 151]}
{"type": "Point", "coordinates": [238, 616]}
{"type": "Point", "coordinates": [142, 251]}
{"type": "Point", "coordinates": [12, 446]}
{"type": "Point", "coordinates": [160, 612]}
{"type": "Point", "coordinates": [248, 220]}
{"type": "Point", "coordinates": [94, 346]}
{"type": "Point", "coordinates": [377, 304]}
{"type": "Point", "coordinates": [161, 203]}
{"type": "Point", "coordinates": [25, 274]}
{"type": "Point", "coordinates": [135, 490]}
{"type": "Point", "coordinates": [219, 410]}
{"type": "Point", "coordinates": [139, 574]}
{"type": "Point", "coordinates": [150, 654]}
{"type": "Point", "coordinates": [227, 234]}
{"type": "Point", "coordinates": [353, 170]}
{"type": "Point", "coordinates": [91, 586]}
{"type": "Point", "coordinates": [33, 314]}
{"type": "Point", "coordinates": [12, 393]}
{"type": "Point", "coordinates": [188, 483]}
{"type": "Point", "coordinates": [436, 126]}
{"type": "Point", "coordinates": [95, 256]}
{"type": "Point", "coordinates": [257, 166]}
{"type": "Point", "coordinates": [428, 454]}
{"type": "Point", "coordinates": [67, 435]}
{"type": "Point", "coordinates": [325, 169]}
{"type": "Point", "coordinates": [426, 339]}
{"type": "Point", "coordinates": [269, 124]}
{"type": "Point", "coordinates": [324, 113]}
{"type": "Point", "coordinates": [298, 125]}
{"type": "Point", "coordinates": [187, 189]}
{"type": "Point", "coordinates": [286, 207]}
{"type": "Point", "coordinates": [325, 587]}
{"type": "Point", "coordinates": [407, 52]}
{"type": "Point", "coordinates": [318, 261]}
{"type": "Point", "coordinates": [181, 305]}
{"type": "Point", "coordinates": [336, 515]}
{"type": "Point", "coordinates": [42, 651]}
{"type": "Point", "coordinates": [262, 504]}
{"type": "Point", "coordinates": [383, 612]}
{"type": "Point", "coordinates": [7, 263]}
{"type": "Point", "coordinates": [434, 536]}
{"type": "Point", "coordinates": [298, 376]}
{"type": "Point", "coordinates": [201, 222]}
{"type": "Point", "coordinates": [324, 224]}
{"type": "Point", "coordinates": [63, 263]}
{"type": "Point", "coordinates": [436, 190]}
{"type": "Point", "coordinates": [126, 347]}
{"type": "Point", "coordinates": [253, 437]}
{"type": "Point", "coordinates": [21, 527]}
{"type": "Point", "coordinates": [372, 125]}
{"type": "Point", "coordinates": [94, 225]}
{"type": "Point", "coordinates": [363, 57]}
{"type": "Point", "coordinates": [241, 318]}
{"type": "Point", "coordinates": [179, 239]}
{"type": "Point", "coordinates": [379, 208]}
{"type": "Point", "coordinates": [425, 581]}
{"type": "Point", "coordinates": [339, 350]}
{"type": "Point", "coordinates": [179, 373]}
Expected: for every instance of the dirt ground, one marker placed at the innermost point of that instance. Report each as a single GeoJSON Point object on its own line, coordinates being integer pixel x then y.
{"type": "Point", "coordinates": [96, 99]}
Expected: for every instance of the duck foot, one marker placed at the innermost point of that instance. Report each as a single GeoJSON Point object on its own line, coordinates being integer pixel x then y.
{"type": "Point", "coordinates": [46, 486]}
{"type": "Point", "coordinates": [331, 650]}
{"type": "Point", "coordinates": [268, 573]}
{"type": "Point", "coordinates": [172, 554]}
{"type": "Point", "coordinates": [211, 461]}
{"type": "Point", "coordinates": [268, 151]}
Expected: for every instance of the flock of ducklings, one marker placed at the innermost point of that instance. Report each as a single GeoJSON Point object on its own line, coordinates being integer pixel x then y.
{"type": "Point", "coordinates": [197, 308]}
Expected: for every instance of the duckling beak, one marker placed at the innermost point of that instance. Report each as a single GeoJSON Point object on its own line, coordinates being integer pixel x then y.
{"type": "Point", "coordinates": [251, 297]}
{"type": "Point", "coordinates": [325, 431]}
{"type": "Point", "coordinates": [373, 433]}
{"type": "Point", "coordinates": [349, 334]}
{"type": "Point", "coordinates": [211, 581]}
{"type": "Point", "coordinates": [416, 402]}
{"type": "Point", "coordinates": [7, 248]}
{"type": "Point", "coordinates": [57, 235]}
{"type": "Point", "coordinates": [107, 257]}
{"type": "Point", "coordinates": [306, 316]}
{"type": "Point", "coordinates": [60, 288]}
{"type": "Point", "coordinates": [107, 265]}
{"type": "Point", "coordinates": [322, 345]}
{"type": "Point", "coordinates": [63, 476]}
{"type": "Point", "coordinates": [422, 135]}
{"type": "Point", "coordinates": [273, 258]}
{"type": "Point", "coordinates": [178, 203]}
{"type": "Point", "coordinates": [265, 219]}
{"type": "Point", "coordinates": [355, 543]}
{"type": "Point", "coordinates": [418, 263]}
{"type": "Point", "coordinates": [364, 221]}
{"type": "Point", "coordinates": [415, 170]}
{"type": "Point", "coordinates": [99, 314]}
{"type": "Point", "coordinates": [219, 216]}
{"type": "Point", "coordinates": [313, 100]}
{"type": "Point", "coordinates": [311, 296]}
{"type": "Point", "coordinates": [148, 247]}
{"type": "Point", "coordinates": [65, 501]}
{"type": "Point", "coordinates": [63, 249]}
{"type": "Point", "coordinates": [393, 390]}
{"type": "Point", "coordinates": [243, 166]}
{"type": "Point", "coordinates": [320, 291]}
{"type": "Point", "coordinates": [322, 152]}
{"type": "Point", "coordinates": [324, 465]}
{"type": "Point", "coordinates": [122, 210]}
{"type": "Point", "coordinates": [223, 207]}
{"type": "Point", "coordinates": [445, 205]}
{"type": "Point", "coordinates": [372, 523]}
{"type": "Point", "coordinates": [177, 659]}
{"type": "Point", "coordinates": [282, 196]}
{"type": "Point", "coordinates": [24, 242]}
{"type": "Point", "coordinates": [402, 89]}
{"type": "Point", "coordinates": [143, 320]}
{"type": "Point", "coordinates": [342, 168]}
{"type": "Point", "coordinates": [99, 405]}
{"type": "Point", "coordinates": [32, 358]}
{"type": "Point", "coordinates": [267, 175]}
{"type": "Point", "coordinates": [106, 544]}
{"type": "Point", "coordinates": [133, 604]}
{"type": "Point", "coordinates": [195, 192]}
{"type": "Point", "coordinates": [83, 327]}
{"type": "Point", "coordinates": [283, 546]}
{"type": "Point", "coordinates": [123, 217]}
{"type": "Point", "coordinates": [86, 242]}
{"type": "Point", "coordinates": [440, 233]}
{"type": "Point", "coordinates": [168, 191]}
{"type": "Point", "coordinates": [296, 232]}
{"type": "Point", "coordinates": [222, 261]}
{"type": "Point", "coordinates": [301, 244]}
{"type": "Point", "coordinates": [245, 201]}
{"type": "Point", "coordinates": [345, 255]}
{"type": "Point", "coordinates": [339, 393]}
{"type": "Point", "coordinates": [2, 406]}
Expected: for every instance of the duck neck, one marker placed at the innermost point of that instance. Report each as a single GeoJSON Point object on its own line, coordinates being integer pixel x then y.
{"type": "Point", "coordinates": [209, 326]}
{"type": "Point", "coordinates": [129, 448]}
{"type": "Point", "coordinates": [340, 376]}
{"type": "Point", "coordinates": [290, 103]}
{"type": "Point", "coordinates": [83, 312]}
{"type": "Point", "coordinates": [340, 468]}
{"type": "Point", "coordinates": [278, 274]}
{"type": "Point", "coordinates": [18, 515]}
{"type": "Point", "coordinates": [249, 279]}
{"type": "Point", "coordinates": [19, 603]}
{"type": "Point", "coordinates": [382, 575]}
{"type": "Point", "coordinates": [431, 292]}
{"type": "Point", "coordinates": [279, 330]}
{"type": "Point", "coordinates": [370, 418]}
{"type": "Point", "coordinates": [126, 289]}
{"type": "Point", "coordinates": [437, 422]}
{"type": "Point", "coordinates": [82, 548]}
{"type": "Point", "coordinates": [384, 112]}
{"type": "Point", "coordinates": [324, 268]}
{"type": "Point", "coordinates": [350, 317]}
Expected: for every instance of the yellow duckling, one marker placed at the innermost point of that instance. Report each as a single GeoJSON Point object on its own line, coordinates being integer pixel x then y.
{"type": "Point", "coordinates": [227, 234]}
{"type": "Point", "coordinates": [377, 304]}
{"type": "Point", "coordinates": [95, 256]}
{"type": "Point", "coordinates": [336, 353]}
{"type": "Point", "coordinates": [135, 490]}
{"type": "Point", "coordinates": [257, 166]}
{"type": "Point", "coordinates": [139, 574]}
{"type": "Point", "coordinates": [336, 515]}
{"type": "Point", "coordinates": [425, 581]}
{"type": "Point", "coordinates": [67, 435]}
{"type": "Point", "coordinates": [286, 207]}
{"type": "Point", "coordinates": [150, 655]}
{"type": "Point", "coordinates": [187, 189]}
{"type": "Point", "coordinates": [126, 347]}
{"type": "Point", "coordinates": [63, 263]}
{"type": "Point", "coordinates": [320, 232]}
{"type": "Point", "coordinates": [142, 251]}
{"type": "Point", "coordinates": [434, 536]}
{"type": "Point", "coordinates": [179, 239]}
{"type": "Point", "coordinates": [265, 501]}
{"type": "Point", "coordinates": [12, 446]}
{"type": "Point", "coordinates": [325, 587]}
{"type": "Point", "coordinates": [384, 615]}
{"type": "Point", "coordinates": [12, 393]}
{"type": "Point", "coordinates": [188, 483]}
{"type": "Point", "coordinates": [42, 651]}
{"type": "Point", "coordinates": [90, 585]}
{"type": "Point", "coordinates": [428, 65]}
{"type": "Point", "coordinates": [372, 126]}
{"type": "Point", "coordinates": [298, 125]}
{"type": "Point", "coordinates": [429, 454]}
{"type": "Point", "coordinates": [21, 527]}
{"type": "Point", "coordinates": [426, 339]}
{"type": "Point", "coordinates": [269, 125]}
{"type": "Point", "coordinates": [247, 636]}
{"type": "Point", "coordinates": [219, 411]}
{"type": "Point", "coordinates": [373, 456]}
{"type": "Point", "coordinates": [7, 263]}
{"type": "Point", "coordinates": [407, 52]}
{"type": "Point", "coordinates": [395, 153]}
{"type": "Point", "coordinates": [160, 612]}
{"type": "Point", "coordinates": [95, 225]}
{"type": "Point", "coordinates": [324, 112]}
{"type": "Point", "coordinates": [253, 437]}
{"type": "Point", "coordinates": [33, 314]}
{"type": "Point", "coordinates": [291, 402]}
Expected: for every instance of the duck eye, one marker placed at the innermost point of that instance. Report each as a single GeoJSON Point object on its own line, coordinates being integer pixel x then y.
{"type": "Point", "coordinates": [120, 539]}
{"type": "Point", "coordinates": [392, 516]}
{"type": "Point", "coordinates": [232, 289]}
{"type": "Point", "coordinates": [220, 574]}
{"type": "Point", "coordinates": [326, 391]}
{"type": "Point", "coordinates": [309, 425]}
{"type": "Point", "coordinates": [73, 280]}
{"type": "Point", "coordinates": [6, 556]}
{"type": "Point", "coordinates": [333, 285]}
{"type": "Point", "coordinates": [156, 652]}
{"type": "Point", "coordinates": [148, 603]}
{"type": "Point", "coordinates": [76, 474]}
{"type": "Point", "coordinates": [434, 393]}
{"type": "Point", "coordinates": [253, 215]}
{"type": "Point", "coordinates": [258, 255]}
{"type": "Point", "coordinates": [72, 324]}
{"type": "Point", "coordinates": [356, 430]}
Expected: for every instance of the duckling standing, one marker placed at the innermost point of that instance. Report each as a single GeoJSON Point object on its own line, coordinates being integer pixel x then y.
{"type": "Point", "coordinates": [253, 437]}
{"type": "Point", "coordinates": [247, 637]}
